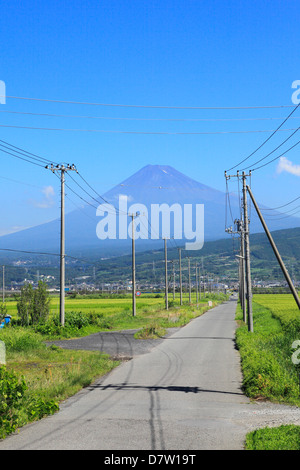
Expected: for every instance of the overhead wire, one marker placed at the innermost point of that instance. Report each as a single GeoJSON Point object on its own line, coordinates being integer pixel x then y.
{"type": "Point", "coordinates": [96, 200]}
{"type": "Point", "coordinates": [284, 216]}
{"type": "Point", "coordinates": [276, 158]}
{"type": "Point", "coordinates": [46, 254]}
{"type": "Point", "coordinates": [146, 106]}
{"type": "Point", "coordinates": [281, 212]}
{"type": "Point", "coordinates": [110, 131]}
{"type": "Point", "coordinates": [270, 153]}
{"type": "Point", "coordinates": [280, 207]}
{"type": "Point", "coordinates": [78, 116]}
{"type": "Point", "coordinates": [267, 140]}
{"type": "Point", "coordinates": [22, 158]}
{"type": "Point", "coordinates": [24, 153]}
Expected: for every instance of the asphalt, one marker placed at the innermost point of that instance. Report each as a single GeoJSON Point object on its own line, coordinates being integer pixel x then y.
{"type": "Point", "coordinates": [120, 345]}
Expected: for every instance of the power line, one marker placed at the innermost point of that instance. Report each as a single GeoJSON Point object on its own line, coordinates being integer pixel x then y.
{"type": "Point", "coordinates": [21, 158]}
{"type": "Point", "coordinates": [266, 156]}
{"type": "Point", "coordinates": [82, 198]}
{"type": "Point", "coordinates": [279, 207]}
{"type": "Point", "coordinates": [24, 152]}
{"type": "Point", "coordinates": [258, 148]}
{"type": "Point", "coordinates": [41, 253]}
{"type": "Point", "coordinates": [79, 185]}
{"type": "Point", "coordinates": [276, 158]}
{"type": "Point", "coordinates": [20, 182]}
{"type": "Point", "coordinates": [103, 131]}
{"type": "Point", "coordinates": [142, 119]}
{"type": "Point", "coordinates": [99, 195]}
{"type": "Point", "coordinates": [148, 106]}
{"type": "Point", "coordinates": [283, 212]}
{"type": "Point", "coordinates": [285, 216]}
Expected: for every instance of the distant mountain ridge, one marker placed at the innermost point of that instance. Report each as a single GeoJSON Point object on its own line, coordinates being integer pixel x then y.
{"type": "Point", "coordinates": [152, 184]}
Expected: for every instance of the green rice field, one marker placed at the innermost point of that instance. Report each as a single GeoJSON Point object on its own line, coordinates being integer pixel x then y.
{"type": "Point", "coordinates": [91, 313]}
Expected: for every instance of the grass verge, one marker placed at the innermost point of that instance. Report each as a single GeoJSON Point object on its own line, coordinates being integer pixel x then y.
{"type": "Point", "coordinates": [268, 371]}
{"type": "Point", "coordinates": [51, 375]}
{"type": "Point", "coordinates": [286, 437]}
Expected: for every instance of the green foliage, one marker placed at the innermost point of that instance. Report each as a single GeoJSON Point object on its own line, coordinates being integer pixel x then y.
{"type": "Point", "coordinates": [284, 308]}
{"type": "Point", "coordinates": [74, 322]}
{"type": "Point", "coordinates": [267, 367]}
{"type": "Point", "coordinates": [150, 332]}
{"type": "Point", "coordinates": [41, 303]}
{"type": "Point", "coordinates": [3, 311]}
{"type": "Point", "coordinates": [38, 407]}
{"type": "Point", "coordinates": [25, 304]}
{"type": "Point", "coordinates": [34, 304]}
{"type": "Point", "coordinates": [285, 437]}
{"type": "Point", "coordinates": [21, 339]}
{"type": "Point", "coordinates": [12, 390]}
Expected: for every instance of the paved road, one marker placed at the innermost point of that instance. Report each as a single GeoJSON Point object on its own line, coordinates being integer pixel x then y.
{"type": "Point", "coordinates": [119, 345]}
{"type": "Point", "coordinates": [185, 394]}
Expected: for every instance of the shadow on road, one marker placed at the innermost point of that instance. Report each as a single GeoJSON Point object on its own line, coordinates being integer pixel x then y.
{"type": "Point", "coordinates": [154, 388]}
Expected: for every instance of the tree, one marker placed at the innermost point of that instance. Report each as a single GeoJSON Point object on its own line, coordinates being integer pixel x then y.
{"type": "Point", "coordinates": [25, 304]}
{"type": "Point", "coordinates": [3, 311]}
{"type": "Point", "coordinates": [41, 303]}
{"type": "Point", "coordinates": [34, 304]}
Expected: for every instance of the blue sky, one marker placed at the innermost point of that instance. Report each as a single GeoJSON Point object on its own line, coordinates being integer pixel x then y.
{"type": "Point", "coordinates": [184, 54]}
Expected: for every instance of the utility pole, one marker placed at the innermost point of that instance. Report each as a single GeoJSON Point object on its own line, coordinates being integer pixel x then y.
{"type": "Point", "coordinates": [199, 279]}
{"type": "Point", "coordinates": [63, 169]}
{"type": "Point", "coordinates": [203, 277]}
{"type": "Point", "coordinates": [180, 276]}
{"type": "Point", "coordinates": [242, 284]}
{"type": "Point", "coordinates": [244, 230]}
{"type": "Point", "coordinates": [197, 285]}
{"type": "Point", "coordinates": [190, 293]}
{"type": "Point", "coordinates": [173, 280]}
{"type": "Point", "coordinates": [247, 256]}
{"type": "Point", "coordinates": [133, 268]}
{"type": "Point", "coordinates": [166, 275]}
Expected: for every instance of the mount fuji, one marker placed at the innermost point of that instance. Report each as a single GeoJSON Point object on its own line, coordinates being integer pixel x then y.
{"type": "Point", "coordinates": [153, 184]}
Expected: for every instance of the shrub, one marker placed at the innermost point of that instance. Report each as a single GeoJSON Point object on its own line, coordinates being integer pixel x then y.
{"type": "Point", "coordinates": [19, 339]}
{"type": "Point", "coordinates": [11, 393]}
{"type": "Point", "coordinates": [76, 320]}
{"type": "Point", "coordinates": [3, 311]}
{"type": "Point", "coordinates": [39, 407]}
